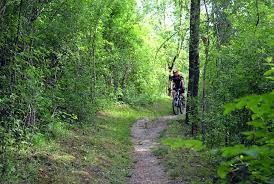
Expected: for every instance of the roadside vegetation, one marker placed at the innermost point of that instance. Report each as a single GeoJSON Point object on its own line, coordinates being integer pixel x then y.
{"type": "Point", "coordinates": [75, 74]}
{"type": "Point", "coordinates": [185, 159]}
{"type": "Point", "coordinates": [95, 152]}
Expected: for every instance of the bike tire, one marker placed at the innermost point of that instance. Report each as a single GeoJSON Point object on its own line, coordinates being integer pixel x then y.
{"type": "Point", "coordinates": [181, 108]}
{"type": "Point", "coordinates": [183, 105]}
{"type": "Point", "coordinates": [176, 110]}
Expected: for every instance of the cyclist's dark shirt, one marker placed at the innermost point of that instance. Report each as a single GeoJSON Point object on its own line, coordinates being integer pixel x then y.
{"type": "Point", "coordinates": [177, 81]}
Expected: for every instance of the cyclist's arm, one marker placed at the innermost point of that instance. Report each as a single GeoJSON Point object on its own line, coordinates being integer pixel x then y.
{"type": "Point", "coordinates": [183, 85]}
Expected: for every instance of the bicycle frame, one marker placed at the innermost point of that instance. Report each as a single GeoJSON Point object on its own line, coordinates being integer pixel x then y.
{"type": "Point", "coordinates": [178, 103]}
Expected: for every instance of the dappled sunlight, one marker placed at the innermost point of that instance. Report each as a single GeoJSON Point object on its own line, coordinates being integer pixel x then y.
{"type": "Point", "coordinates": [141, 149]}
{"type": "Point", "coordinates": [62, 157]}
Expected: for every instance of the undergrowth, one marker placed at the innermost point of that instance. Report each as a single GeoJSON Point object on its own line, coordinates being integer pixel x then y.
{"type": "Point", "coordinates": [184, 158]}
{"type": "Point", "coordinates": [91, 152]}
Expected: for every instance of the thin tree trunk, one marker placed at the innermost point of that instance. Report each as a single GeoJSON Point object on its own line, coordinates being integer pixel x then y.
{"type": "Point", "coordinates": [16, 40]}
{"type": "Point", "coordinates": [124, 79]}
{"type": "Point", "coordinates": [3, 8]}
{"type": "Point", "coordinates": [93, 49]}
{"type": "Point", "coordinates": [94, 64]}
{"type": "Point", "coordinates": [194, 72]}
{"type": "Point", "coordinates": [207, 42]}
{"type": "Point", "coordinates": [93, 57]}
{"type": "Point", "coordinates": [19, 22]}
{"type": "Point", "coordinates": [258, 13]}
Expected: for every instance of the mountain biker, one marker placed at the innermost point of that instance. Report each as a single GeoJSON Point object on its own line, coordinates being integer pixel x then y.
{"type": "Point", "coordinates": [178, 82]}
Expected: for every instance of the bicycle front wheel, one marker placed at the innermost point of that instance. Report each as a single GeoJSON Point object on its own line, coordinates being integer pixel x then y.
{"type": "Point", "coordinates": [176, 107]}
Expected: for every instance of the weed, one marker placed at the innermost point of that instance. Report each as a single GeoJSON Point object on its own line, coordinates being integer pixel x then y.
{"type": "Point", "coordinates": [185, 159]}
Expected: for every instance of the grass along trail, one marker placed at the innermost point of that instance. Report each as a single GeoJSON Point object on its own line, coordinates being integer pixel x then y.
{"type": "Point", "coordinates": [119, 146]}
{"type": "Point", "coordinates": [96, 152]}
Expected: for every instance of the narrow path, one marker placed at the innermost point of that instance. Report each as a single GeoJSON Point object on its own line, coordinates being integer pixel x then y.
{"type": "Point", "coordinates": [147, 169]}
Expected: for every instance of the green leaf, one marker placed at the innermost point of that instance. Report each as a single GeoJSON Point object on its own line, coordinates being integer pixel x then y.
{"type": "Point", "coordinates": [257, 124]}
{"type": "Point", "coordinates": [233, 151]}
{"type": "Point", "coordinates": [229, 107]}
{"type": "Point", "coordinates": [268, 72]}
{"type": "Point", "coordinates": [252, 152]}
{"type": "Point", "coordinates": [269, 59]}
{"type": "Point", "coordinates": [222, 170]}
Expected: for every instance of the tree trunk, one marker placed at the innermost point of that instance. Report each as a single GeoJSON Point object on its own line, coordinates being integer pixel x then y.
{"type": "Point", "coordinates": [206, 43]}
{"type": "Point", "coordinates": [194, 73]}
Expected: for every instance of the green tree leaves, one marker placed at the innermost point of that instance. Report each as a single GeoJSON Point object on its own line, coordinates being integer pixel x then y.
{"type": "Point", "coordinates": [257, 158]}
{"type": "Point", "coordinates": [63, 60]}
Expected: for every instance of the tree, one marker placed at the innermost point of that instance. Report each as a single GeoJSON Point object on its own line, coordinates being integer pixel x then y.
{"type": "Point", "coordinates": [194, 73]}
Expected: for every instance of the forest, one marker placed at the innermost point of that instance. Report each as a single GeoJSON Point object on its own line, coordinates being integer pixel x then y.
{"type": "Point", "coordinates": [76, 74]}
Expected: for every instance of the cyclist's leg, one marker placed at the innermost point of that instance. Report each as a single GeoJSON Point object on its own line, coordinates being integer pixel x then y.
{"type": "Point", "coordinates": [180, 93]}
{"type": "Point", "coordinates": [173, 92]}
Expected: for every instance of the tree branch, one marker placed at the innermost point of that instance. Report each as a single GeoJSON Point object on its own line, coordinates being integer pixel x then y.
{"type": "Point", "coordinates": [3, 8]}
{"type": "Point", "coordinates": [164, 43]}
{"type": "Point", "coordinates": [258, 14]}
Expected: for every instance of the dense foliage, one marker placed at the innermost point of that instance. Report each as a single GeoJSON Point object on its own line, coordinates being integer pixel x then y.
{"type": "Point", "coordinates": [61, 61]}
{"type": "Point", "coordinates": [238, 55]}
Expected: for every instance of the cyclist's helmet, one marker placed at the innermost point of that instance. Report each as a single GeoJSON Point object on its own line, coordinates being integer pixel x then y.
{"type": "Point", "coordinates": [175, 71]}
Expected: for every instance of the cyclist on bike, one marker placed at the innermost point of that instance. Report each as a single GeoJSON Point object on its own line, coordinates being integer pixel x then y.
{"type": "Point", "coordinates": [178, 82]}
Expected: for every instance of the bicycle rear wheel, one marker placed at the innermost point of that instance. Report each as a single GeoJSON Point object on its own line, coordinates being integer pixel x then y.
{"type": "Point", "coordinates": [183, 106]}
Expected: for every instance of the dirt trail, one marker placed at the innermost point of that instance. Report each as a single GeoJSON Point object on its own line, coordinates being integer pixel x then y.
{"type": "Point", "coordinates": [147, 169]}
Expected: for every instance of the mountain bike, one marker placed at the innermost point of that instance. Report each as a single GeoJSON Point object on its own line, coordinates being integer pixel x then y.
{"type": "Point", "coordinates": [178, 103]}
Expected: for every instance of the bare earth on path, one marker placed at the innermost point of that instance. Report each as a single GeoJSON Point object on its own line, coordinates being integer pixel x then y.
{"type": "Point", "coordinates": [147, 169]}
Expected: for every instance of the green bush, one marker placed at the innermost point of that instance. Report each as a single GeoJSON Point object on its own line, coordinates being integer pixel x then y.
{"type": "Point", "coordinates": [252, 162]}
